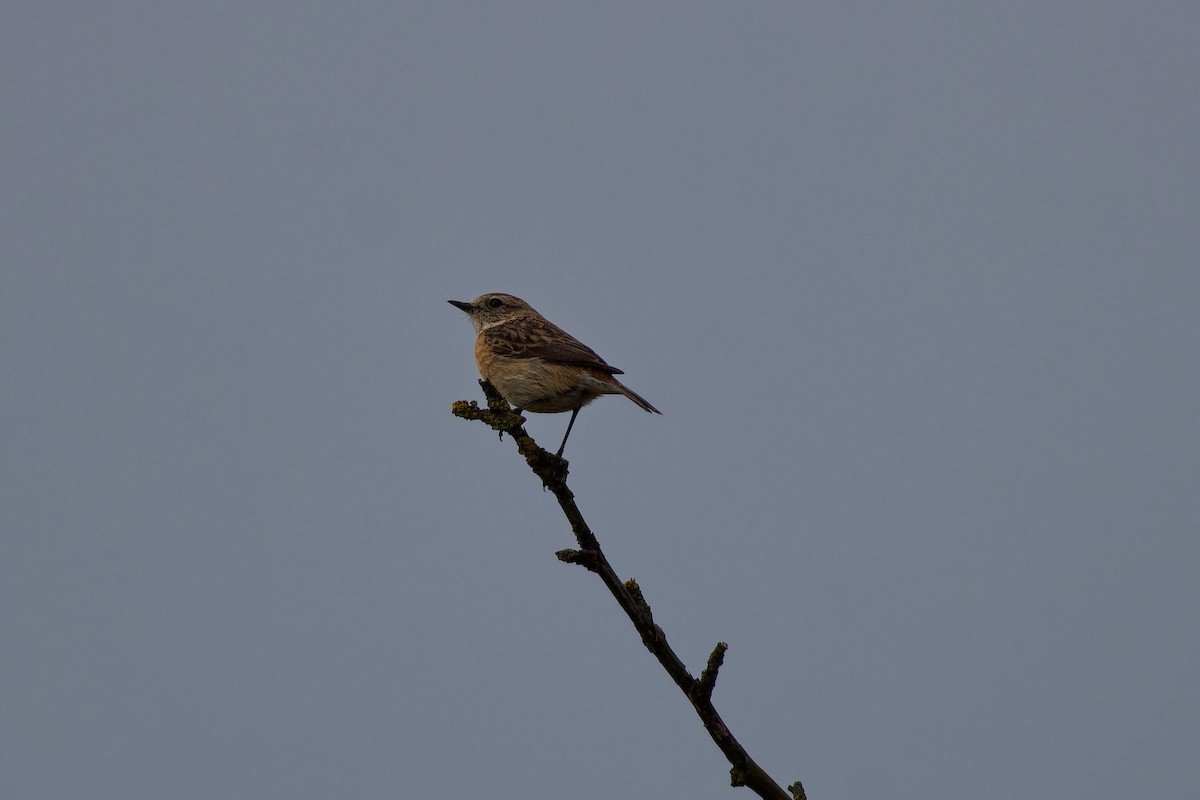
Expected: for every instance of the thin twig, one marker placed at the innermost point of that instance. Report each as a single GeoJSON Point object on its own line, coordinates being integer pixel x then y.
{"type": "Point", "coordinates": [553, 472]}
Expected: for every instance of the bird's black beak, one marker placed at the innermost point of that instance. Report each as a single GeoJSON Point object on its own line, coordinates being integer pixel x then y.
{"type": "Point", "coordinates": [459, 304]}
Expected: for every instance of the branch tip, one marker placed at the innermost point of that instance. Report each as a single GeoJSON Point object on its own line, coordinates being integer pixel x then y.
{"type": "Point", "coordinates": [584, 558]}
{"type": "Point", "coordinates": [708, 677]}
{"type": "Point", "coordinates": [639, 600]}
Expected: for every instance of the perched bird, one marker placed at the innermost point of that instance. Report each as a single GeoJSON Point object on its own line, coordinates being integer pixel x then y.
{"type": "Point", "coordinates": [536, 365]}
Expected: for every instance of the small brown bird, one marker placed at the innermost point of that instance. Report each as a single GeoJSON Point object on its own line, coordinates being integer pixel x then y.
{"type": "Point", "coordinates": [536, 365]}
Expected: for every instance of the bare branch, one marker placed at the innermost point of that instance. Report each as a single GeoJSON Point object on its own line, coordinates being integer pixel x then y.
{"type": "Point", "coordinates": [553, 472]}
{"type": "Point", "coordinates": [708, 678]}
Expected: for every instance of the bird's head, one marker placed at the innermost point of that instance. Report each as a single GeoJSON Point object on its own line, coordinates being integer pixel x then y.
{"type": "Point", "coordinates": [492, 309]}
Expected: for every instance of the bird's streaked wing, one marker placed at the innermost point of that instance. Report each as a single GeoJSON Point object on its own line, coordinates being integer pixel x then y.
{"type": "Point", "coordinates": [543, 340]}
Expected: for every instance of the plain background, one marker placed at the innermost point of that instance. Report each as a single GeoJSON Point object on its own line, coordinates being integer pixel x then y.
{"type": "Point", "coordinates": [916, 286]}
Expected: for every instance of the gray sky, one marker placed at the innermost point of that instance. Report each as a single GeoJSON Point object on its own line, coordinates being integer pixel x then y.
{"type": "Point", "coordinates": [916, 287]}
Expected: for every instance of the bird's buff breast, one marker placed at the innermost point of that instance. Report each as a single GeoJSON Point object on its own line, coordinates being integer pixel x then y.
{"type": "Point", "coordinates": [536, 385]}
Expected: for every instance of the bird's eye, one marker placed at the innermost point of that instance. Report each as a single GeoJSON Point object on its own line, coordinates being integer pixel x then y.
{"type": "Point", "coordinates": [495, 302]}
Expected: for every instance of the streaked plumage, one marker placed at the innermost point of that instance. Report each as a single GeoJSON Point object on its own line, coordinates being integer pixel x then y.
{"type": "Point", "coordinates": [536, 365]}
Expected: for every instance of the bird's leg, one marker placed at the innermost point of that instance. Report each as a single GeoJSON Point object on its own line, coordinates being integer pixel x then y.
{"type": "Point", "coordinates": [574, 413]}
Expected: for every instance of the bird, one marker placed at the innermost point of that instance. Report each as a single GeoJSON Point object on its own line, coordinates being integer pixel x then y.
{"type": "Point", "coordinates": [536, 365]}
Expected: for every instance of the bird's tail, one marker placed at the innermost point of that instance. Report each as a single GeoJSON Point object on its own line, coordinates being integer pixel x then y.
{"type": "Point", "coordinates": [637, 398]}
